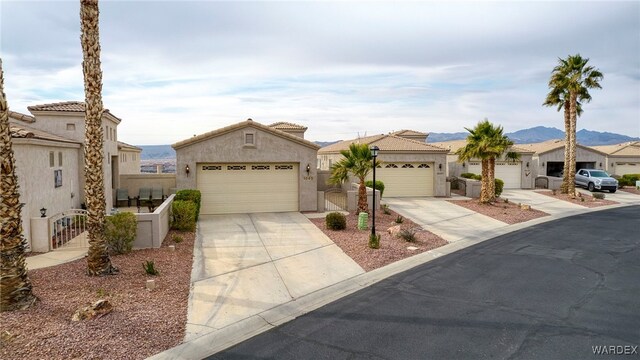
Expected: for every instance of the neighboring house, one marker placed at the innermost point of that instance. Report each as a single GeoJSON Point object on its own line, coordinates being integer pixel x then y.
{"type": "Point", "coordinates": [250, 167]}
{"type": "Point", "coordinates": [515, 174]}
{"type": "Point", "coordinates": [409, 167]}
{"type": "Point", "coordinates": [548, 157]}
{"type": "Point", "coordinates": [622, 158]}
{"type": "Point", "coordinates": [412, 134]}
{"type": "Point", "coordinates": [290, 128]}
{"type": "Point", "coordinates": [129, 158]}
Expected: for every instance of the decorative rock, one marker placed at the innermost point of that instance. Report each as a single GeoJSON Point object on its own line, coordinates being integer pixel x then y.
{"type": "Point", "coordinates": [525, 207]}
{"type": "Point", "coordinates": [394, 230]}
{"type": "Point", "coordinates": [412, 248]}
{"type": "Point", "coordinates": [151, 284]}
{"type": "Point", "coordinates": [96, 310]}
{"type": "Point", "coordinates": [172, 247]}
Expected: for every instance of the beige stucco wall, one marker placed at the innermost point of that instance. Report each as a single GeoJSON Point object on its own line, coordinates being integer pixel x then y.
{"type": "Point", "coordinates": [129, 161]}
{"type": "Point", "coordinates": [526, 175]}
{"type": "Point", "coordinates": [36, 178]}
{"type": "Point", "coordinates": [229, 148]}
{"type": "Point", "coordinates": [613, 161]}
{"type": "Point", "coordinates": [133, 182]}
{"type": "Point", "coordinates": [582, 155]}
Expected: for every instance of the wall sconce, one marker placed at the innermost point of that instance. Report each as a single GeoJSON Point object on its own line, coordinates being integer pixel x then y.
{"type": "Point", "coordinates": [43, 212]}
{"type": "Point", "coordinates": [187, 170]}
{"type": "Point", "coordinates": [463, 165]}
{"type": "Point", "coordinates": [613, 164]}
{"type": "Point", "coordinates": [527, 164]}
{"type": "Point", "coordinates": [542, 165]}
{"type": "Point", "coordinates": [439, 166]}
{"type": "Point", "coordinates": [600, 164]}
{"type": "Point", "coordinates": [308, 169]}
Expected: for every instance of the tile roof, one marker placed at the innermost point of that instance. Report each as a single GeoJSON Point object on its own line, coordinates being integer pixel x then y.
{"type": "Point", "coordinates": [630, 148]}
{"type": "Point", "coordinates": [122, 145]}
{"type": "Point", "coordinates": [454, 145]}
{"type": "Point", "coordinates": [385, 143]}
{"type": "Point", "coordinates": [23, 132]}
{"type": "Point", "coordinates": [65, 106]}
{"type": "Point", "coordinates": [240, 125]}
{"type": "Point", "coordinates": [21, 116]}
{"type": "Point", "coordinates": [409, 133]}
{"type": "Point", "coordinates": [283, 125]}
{"type": "Point", "coordinates": [551, 145]}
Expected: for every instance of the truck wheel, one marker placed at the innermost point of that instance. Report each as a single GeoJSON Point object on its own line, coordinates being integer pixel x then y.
{"type": "Point", "coordinates": [591, 187]}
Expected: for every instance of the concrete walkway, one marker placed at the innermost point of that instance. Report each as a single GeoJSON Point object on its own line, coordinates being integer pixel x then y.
{"type": "Point", "coordinates": [53, 258]}
{"type": "Point", "coordinates": [245, 264]}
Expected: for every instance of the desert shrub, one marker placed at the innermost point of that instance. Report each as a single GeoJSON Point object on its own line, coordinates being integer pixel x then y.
{"type": "Point", "coordinates": [379, 185]}
{"type": "Point", "coordinates": [477, 177]}
{"type": "Point", "coordinates": [177, 239]}
{"type": "Point", "coordinates": [407, 234]}
{"type": "Point", "coordinates": [628, 180]}
{"type": "Point", "coordinates": [399, 219]}
{"type": "Point", "coordinates": [499, 186]}
{"type": "Point", "coordinates": [468, 175]}
{"type": "Point", "coordinates": [374, 241]}
{"type": "Point", "coordinates": [385, 209]}
{"type": "Point", "coordinates": [505, 200]}
{"type": "Point", "coordinates": [190, 195]}
{"type": "Point", "coordinates": [336, 221]}
{"type": "Point", "coordinates": [150, 268]}
{"type": "Point", "coordinates": [598, 196]}
{"type": "Point", "coordinates": [120, 232]}
{"type": "Point", "coordinates": [183, 215]}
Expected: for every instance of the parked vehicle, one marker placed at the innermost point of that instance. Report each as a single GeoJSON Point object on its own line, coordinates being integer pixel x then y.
{"type": "Point", "coordinates": [596, 180]}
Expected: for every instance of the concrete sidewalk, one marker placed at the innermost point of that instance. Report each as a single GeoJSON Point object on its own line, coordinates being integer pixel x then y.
{"type": "Point", "coordinates": [53, 258]}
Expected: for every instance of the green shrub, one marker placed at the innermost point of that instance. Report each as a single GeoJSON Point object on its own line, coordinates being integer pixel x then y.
{"type": "Point", "coordinates": [468, 175]}
{"type": "Point", "coordinates": [374, 241]}
{"type": "Point", "coordinates": [628, 180]}
{"type": "Point", "coordinates": [399, 219]}
{"type": "Point", "coordinates": [120, 232]}
{"type": "Point", "coordinates": [408, 234]}
{"type": "Point", "coordinates": [336, 221]}
{"type": "Point", "coordinates": [499, 186]}
{"type": "Point", "coordinates": [177, 239]}
{"type": "Point", "coordinates": [385, 209]}
{"type": "Point", "coordinates": [379, 185]}
{"type": "Point", "coordinates": [598, 196]}
{"type": "Point", "coordinates": [477, 177]}
{"type": "Point", "coordinates": [150, 268]}
{"type": "Point", "coordinates": [183, 215]}
{"type": "Point", "coordinates": [190, 195]}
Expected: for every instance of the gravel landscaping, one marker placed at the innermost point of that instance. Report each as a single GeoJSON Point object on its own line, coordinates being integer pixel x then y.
{"type": "Point", "coordinates": [589, 201]}
{"type": "Point", "coordinates": [630, 189]}
{"type": "Point", "coordinates": [355, 242]}
{"type": "Point", "coordinates": [141, 324]}
{"type": "Point", "coordinates": [506, 212]}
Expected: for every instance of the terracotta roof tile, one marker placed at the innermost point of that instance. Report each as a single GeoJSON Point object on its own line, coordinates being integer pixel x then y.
{"type": "Point", "coordinates": [385, 143]}
{"type": "Point", "coordinates": [21, 117]}
{"type": "Point", "coordinates": [23, 132]}
{"type": "Point", "coordinates": [630, 148]}
{"type": "Point", "coordinates": [409, 133]}
{"type": "Point", "coordinates": [282, 125]}
{"type": "Point", "coordinates": [454, 145]}
{"type": "Point", "coordinates": [65, 106]}
{"type": "Point", "coordinates": [123, 145]}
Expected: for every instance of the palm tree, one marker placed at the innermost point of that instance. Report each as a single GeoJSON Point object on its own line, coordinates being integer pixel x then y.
{"type": "Point", "coordinates": [486, 142]}
{"type": "Point", "coordinates": [356, 161]}
{"type": "Point", "coordinates": [559, 96]}
{"type": "Point", "coordinates": [573, 77]}
{"type": "Point", "coordinates": [98, 261]}
{"type": "Point", "coordinates": [15, 286]}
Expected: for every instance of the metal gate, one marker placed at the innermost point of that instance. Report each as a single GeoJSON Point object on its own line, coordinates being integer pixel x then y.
{"type": "Point", "coordinates": [459, 186]}
{"type": "Point", "coordinates": [542, 182]}
{"type": "Point", "coordinates": [69, 230]}
{"type": "Point", "coordinates": [335, 200]}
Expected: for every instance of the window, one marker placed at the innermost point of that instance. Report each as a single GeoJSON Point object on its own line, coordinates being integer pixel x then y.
{"type": "Point", "coordinates": [60, 158]}
{"type": "Point", "coordinates": [391, 166]}
{"type": "Point", "coordinates": [71, 127]}
{"type": "Point", "coordinates": [52, 159]}
{"type": "Point", "coordinates": [407, 166]}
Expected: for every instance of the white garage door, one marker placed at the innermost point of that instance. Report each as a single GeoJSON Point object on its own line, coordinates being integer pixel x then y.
{"type": "Point", "coordinates": [406, 179]}
{"type": "Point", "coordinates": [627, 168]}
{"type": "Point", "coordinates": [247, 188]}
{"type": "Point", "coordinates": [507, 171]}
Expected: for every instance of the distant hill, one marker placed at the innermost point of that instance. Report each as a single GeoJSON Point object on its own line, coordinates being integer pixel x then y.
{"type": "Point", "coordinates": [152, 152]}
{"type": "Point", "coordinates": [326, 143]}
{"type": "Point", "coordinates": [438, 137]}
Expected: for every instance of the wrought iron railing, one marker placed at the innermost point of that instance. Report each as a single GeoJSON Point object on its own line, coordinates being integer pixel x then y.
{"type": "Point", "coordinates": [335, 200]}
{"type": "Point", "coordinates": [69, 229]}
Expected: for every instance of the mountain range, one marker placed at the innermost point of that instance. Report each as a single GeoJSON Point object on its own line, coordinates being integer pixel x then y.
{"type": "Point", "coordinates": [525, 136]}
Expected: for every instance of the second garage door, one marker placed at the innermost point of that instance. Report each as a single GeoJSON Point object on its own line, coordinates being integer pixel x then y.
{"type": "Point", "coordinates": [406, 179]}
{"type": "Point", "coordinates": [247, 188]}
{"type": "Point", "coordinates": [627, 168]}
{"type": "Point", "coordinates": [507, 171]}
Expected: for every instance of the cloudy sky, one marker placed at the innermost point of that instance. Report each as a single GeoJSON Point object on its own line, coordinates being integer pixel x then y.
{"type": "Point", "coordinates": [172, 69]}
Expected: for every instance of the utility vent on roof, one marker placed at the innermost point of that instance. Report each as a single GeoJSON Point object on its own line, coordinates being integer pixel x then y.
{"type": "Point", "coordinates": [215, 167]}
{"type": "Point", "coordinates": [260, 167]}
{"type": "Point", "coordinates": [284, 167]}
{"type": "Point", "coordinates": [236, 167]}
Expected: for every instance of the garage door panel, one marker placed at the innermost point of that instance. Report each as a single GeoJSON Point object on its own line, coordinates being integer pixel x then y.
{"type": "Point", "coordinates": [627, 168]}
{"type": "Point", "coordinates": [406, 181]}
{"type": "Point", "coordinates": [240, 188]}
{"type": "Point", "coordinates": [509, 172]}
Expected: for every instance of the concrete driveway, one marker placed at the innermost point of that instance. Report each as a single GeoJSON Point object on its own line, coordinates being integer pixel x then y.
{"type": "Point", "coordinates": [620, 196]}
{"type": "Point", "coordinates": [245, 264]}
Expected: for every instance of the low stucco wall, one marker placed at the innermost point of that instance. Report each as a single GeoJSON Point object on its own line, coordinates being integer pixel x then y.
{"type": "Point", "coordinates": [352, 198]}
{"type": "Point", "coordinates": [133, 182]}
{"type": "Point", "coordinates": [153, 228]}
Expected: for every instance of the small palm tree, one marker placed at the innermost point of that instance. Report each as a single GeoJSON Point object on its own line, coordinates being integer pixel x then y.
{"type": "Point", "coordinates": [487, 143]}
{"type": "Point", "coordinates": [356, 161]}
{"type": "Point", "coordinates": [98, 261]}
{"type": "Point", "coordinates": [574, 78]}
{"type": "Point", "coordinates": [15, 286]}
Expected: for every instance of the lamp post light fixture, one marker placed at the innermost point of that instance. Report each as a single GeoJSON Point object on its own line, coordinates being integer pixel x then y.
{"type": "Point", "coordinates": [374, 154]}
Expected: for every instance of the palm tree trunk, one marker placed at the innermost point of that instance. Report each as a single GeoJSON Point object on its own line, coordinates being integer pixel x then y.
{"type": "Point", "coordinates": [98, 261]}
{"type": "Point", "coordinates": [492, 179]}
{"type": "Point", "coordinates": [567, 139]}
{"type": "Point", "coordinates": [363, 205]}
{"type": "Point", "coordinates": [485, 197]}
{"type": "Point", "coordinates": [571, 187]}
{"type": "Point", "coordinates": [15, 286]}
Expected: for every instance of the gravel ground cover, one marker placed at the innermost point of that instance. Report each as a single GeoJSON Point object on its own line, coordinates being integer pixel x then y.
{"type": "Point", "coordinates": [630, 189]}
{"type": "Point", "coordinates": [589, 201]}
{"type": "Point", "coordinates": [141, 324]}
{"type": "Point", "coordinates": [507, 212]}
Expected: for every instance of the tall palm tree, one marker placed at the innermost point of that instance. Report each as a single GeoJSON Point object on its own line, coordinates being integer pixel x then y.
{"type": "Point", "coordinates": [15, 287]}
{"type": "Point", "coordinates": [559, 97]}
{"type": "Point", "coordinates": [487, 143]}
{"type": "Point", "coordinates": [98, 261]}
{"type": "Point", "coordinates": [574, 77]}
{"type": "Point", "coordinates": [356, 161]}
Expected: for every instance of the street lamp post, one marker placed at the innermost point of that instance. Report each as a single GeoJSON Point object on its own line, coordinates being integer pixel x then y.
{"type": "Point", "coordinates": [374, 154]}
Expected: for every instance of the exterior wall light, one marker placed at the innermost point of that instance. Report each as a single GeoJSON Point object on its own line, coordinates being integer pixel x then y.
{"type": "Point", "coordinates": [187, 170]}
{"type": "Point", "coordinates": [43, 212]}
{"type": "Point", "coordinates": [308, 169]}
{"type": "Point", "coordinates": [439, 166]}
{"type": "Point", "coordinates": [463, 165]}
{"type": "Point", "coordinates": [527, 164]}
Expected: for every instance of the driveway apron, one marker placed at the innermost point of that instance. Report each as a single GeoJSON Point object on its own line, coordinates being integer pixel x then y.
{"type": "Point", "coordinates": [447, 220]}
{"type": "Point", "coordinates": [245, 264]}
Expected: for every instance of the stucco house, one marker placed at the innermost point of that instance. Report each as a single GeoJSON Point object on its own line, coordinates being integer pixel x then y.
{"type": "Point", "coordinates": [129, 158]}
{"type": "Point", "coordinates": [622, 158]}
{"type": "Point", "coordinates": [515, 174]}
{"type": "Point", "coordinates": [548, 157]}
{"type": "Point", "coordinates": [250, 167]}
{"type": "Point", "coordinates": [409, 167]}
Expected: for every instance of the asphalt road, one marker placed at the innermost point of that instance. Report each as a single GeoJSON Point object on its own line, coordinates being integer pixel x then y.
{"type": "Point", "coordinates": [553, 291]}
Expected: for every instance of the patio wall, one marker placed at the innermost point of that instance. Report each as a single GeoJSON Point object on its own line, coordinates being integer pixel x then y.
{"type": "Point", "coordinates": [133, 182]}
{"type": "Point", "coordinates": [153, 227]}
